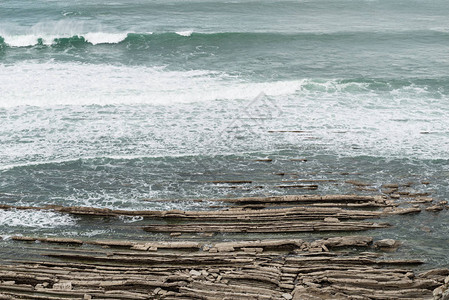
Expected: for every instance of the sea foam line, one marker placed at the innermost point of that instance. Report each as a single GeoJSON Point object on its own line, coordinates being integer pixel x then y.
{"type": "Point", "coordinates": [68, 160]}
{"type": "Point", "coordinates": [35, 219]}
{"type": "Point", "coordinates": [53, 84]}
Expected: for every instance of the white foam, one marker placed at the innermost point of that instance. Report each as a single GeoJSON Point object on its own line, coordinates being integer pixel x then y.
{"type": "Point", "coordinates": [185, 33]}
{"type": "Point", "coordinates": [104, 37]}
{"type": "Point", "coordinates": [35, 219]}
{"type": "Point", "coordinates": [440, 29]}
{"type": "Point", "coordinates": [94, 38]}
{"type": "Point", "coordinates": [48, 31]}
{"type": "Point", "coordinates": [92, 233]}
{"type": "Point", "coordinates": [47, 84]}
{"type": "Point", "coordinates": [375, 122]}
{"type": "Point", "coordinates": [6, 167]}
{"type": "Point", "coordinates": [34, 163]}
{"type": "Point", "coordinates": [20, 40]}
{"type": "Point", "coordinates": [130, 219]}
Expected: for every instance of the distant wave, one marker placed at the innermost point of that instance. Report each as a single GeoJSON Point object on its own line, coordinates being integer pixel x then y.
{"type": "Point", "coordinates": [136, 39]}
{"type": "Point", "coordinates": [93, 38]}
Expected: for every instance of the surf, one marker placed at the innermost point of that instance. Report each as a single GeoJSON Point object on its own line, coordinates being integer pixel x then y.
{"type": "Point", "coordinates": [132, 38]}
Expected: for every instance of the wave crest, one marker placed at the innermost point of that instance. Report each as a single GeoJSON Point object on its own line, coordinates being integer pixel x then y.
{"type": "Point", "coordinates": [92, 38]}
{"type": "Point", "coordinates": [139, 39]}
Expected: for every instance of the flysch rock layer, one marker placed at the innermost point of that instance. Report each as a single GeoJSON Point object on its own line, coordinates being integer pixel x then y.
{"type": "Point", "coordinates": [341, 267]}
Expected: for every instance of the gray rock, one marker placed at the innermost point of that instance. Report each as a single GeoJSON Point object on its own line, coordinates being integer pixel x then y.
{"type": "Point", "coordinates": [195, 273]}
{"type": "Point", "coordinates": [386, 243]}
{"type": "Point", "coordinates": [331, 220]}
{"type": "Point", "coordinates": [63, 286]}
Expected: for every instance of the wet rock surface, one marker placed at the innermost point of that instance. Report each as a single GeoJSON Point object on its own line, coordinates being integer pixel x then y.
{"type": "Point", "coordinates": [343, 266]}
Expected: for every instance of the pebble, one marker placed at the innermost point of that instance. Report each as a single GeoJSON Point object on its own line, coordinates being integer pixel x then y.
{"type": "Point", "coordinates": [195, 273]}
{"type": "Point", "coordinates": [385, 243]}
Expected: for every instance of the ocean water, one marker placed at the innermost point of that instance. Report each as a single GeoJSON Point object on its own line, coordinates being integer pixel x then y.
{"type": "Point", "coordinates": [109, 104]}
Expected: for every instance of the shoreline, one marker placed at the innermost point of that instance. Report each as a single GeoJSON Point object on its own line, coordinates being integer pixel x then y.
{"type": "Point", "coordinates": [196, 258]}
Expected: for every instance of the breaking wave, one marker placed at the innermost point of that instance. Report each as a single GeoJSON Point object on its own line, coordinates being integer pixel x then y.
{"type": "Point", "coordinates": [181, 37]}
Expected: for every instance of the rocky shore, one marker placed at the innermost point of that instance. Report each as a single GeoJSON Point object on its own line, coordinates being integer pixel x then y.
{"type": "Point", "coordinates": [343, 266]}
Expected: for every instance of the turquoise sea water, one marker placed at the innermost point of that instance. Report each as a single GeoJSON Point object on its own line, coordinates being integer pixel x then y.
{"type": "Point", "coordinates": [107, 104]}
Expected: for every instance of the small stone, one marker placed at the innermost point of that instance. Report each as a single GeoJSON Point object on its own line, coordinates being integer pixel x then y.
{"type": "Point", "coordinates": [204, 273]}
{"type": "Point", "coordinates": [264, 159]}
{"type": "Point", "coordinates": [357, 183]}
{"type": "Point", "coordinates": [388, 209]}
{"type": "Point", "coordinates": [438, 291]}
{"type": "Point", "coordinates": [157, 290]}
{"type": "Point", "coordinates": [391, 186]}
{"type": "Point", "coordinates": [87, 297]}
{"type": "Point", "coordinates": [426, 229]}
{"type": "Point", "coordinates": [446, 281]}
{"type": "Point", "coordinates": [395, 196]}
{"type": "Point", "coordinates": [434, 208]}
{"type": "Point", "coordinates": [175, 234]}
{"type": "Point", "coordinates": [386, 243]}
{"type": "Point", "coordinates": [287, 296]}
{"type": "Point", "coordinates": [195, 273]}
{"type": "Point", "coordinates": [213, 250]}
{"type": "Point", "coordinates": [63, 286]}
{"type": "Point", "coordinates": [152, 249]}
